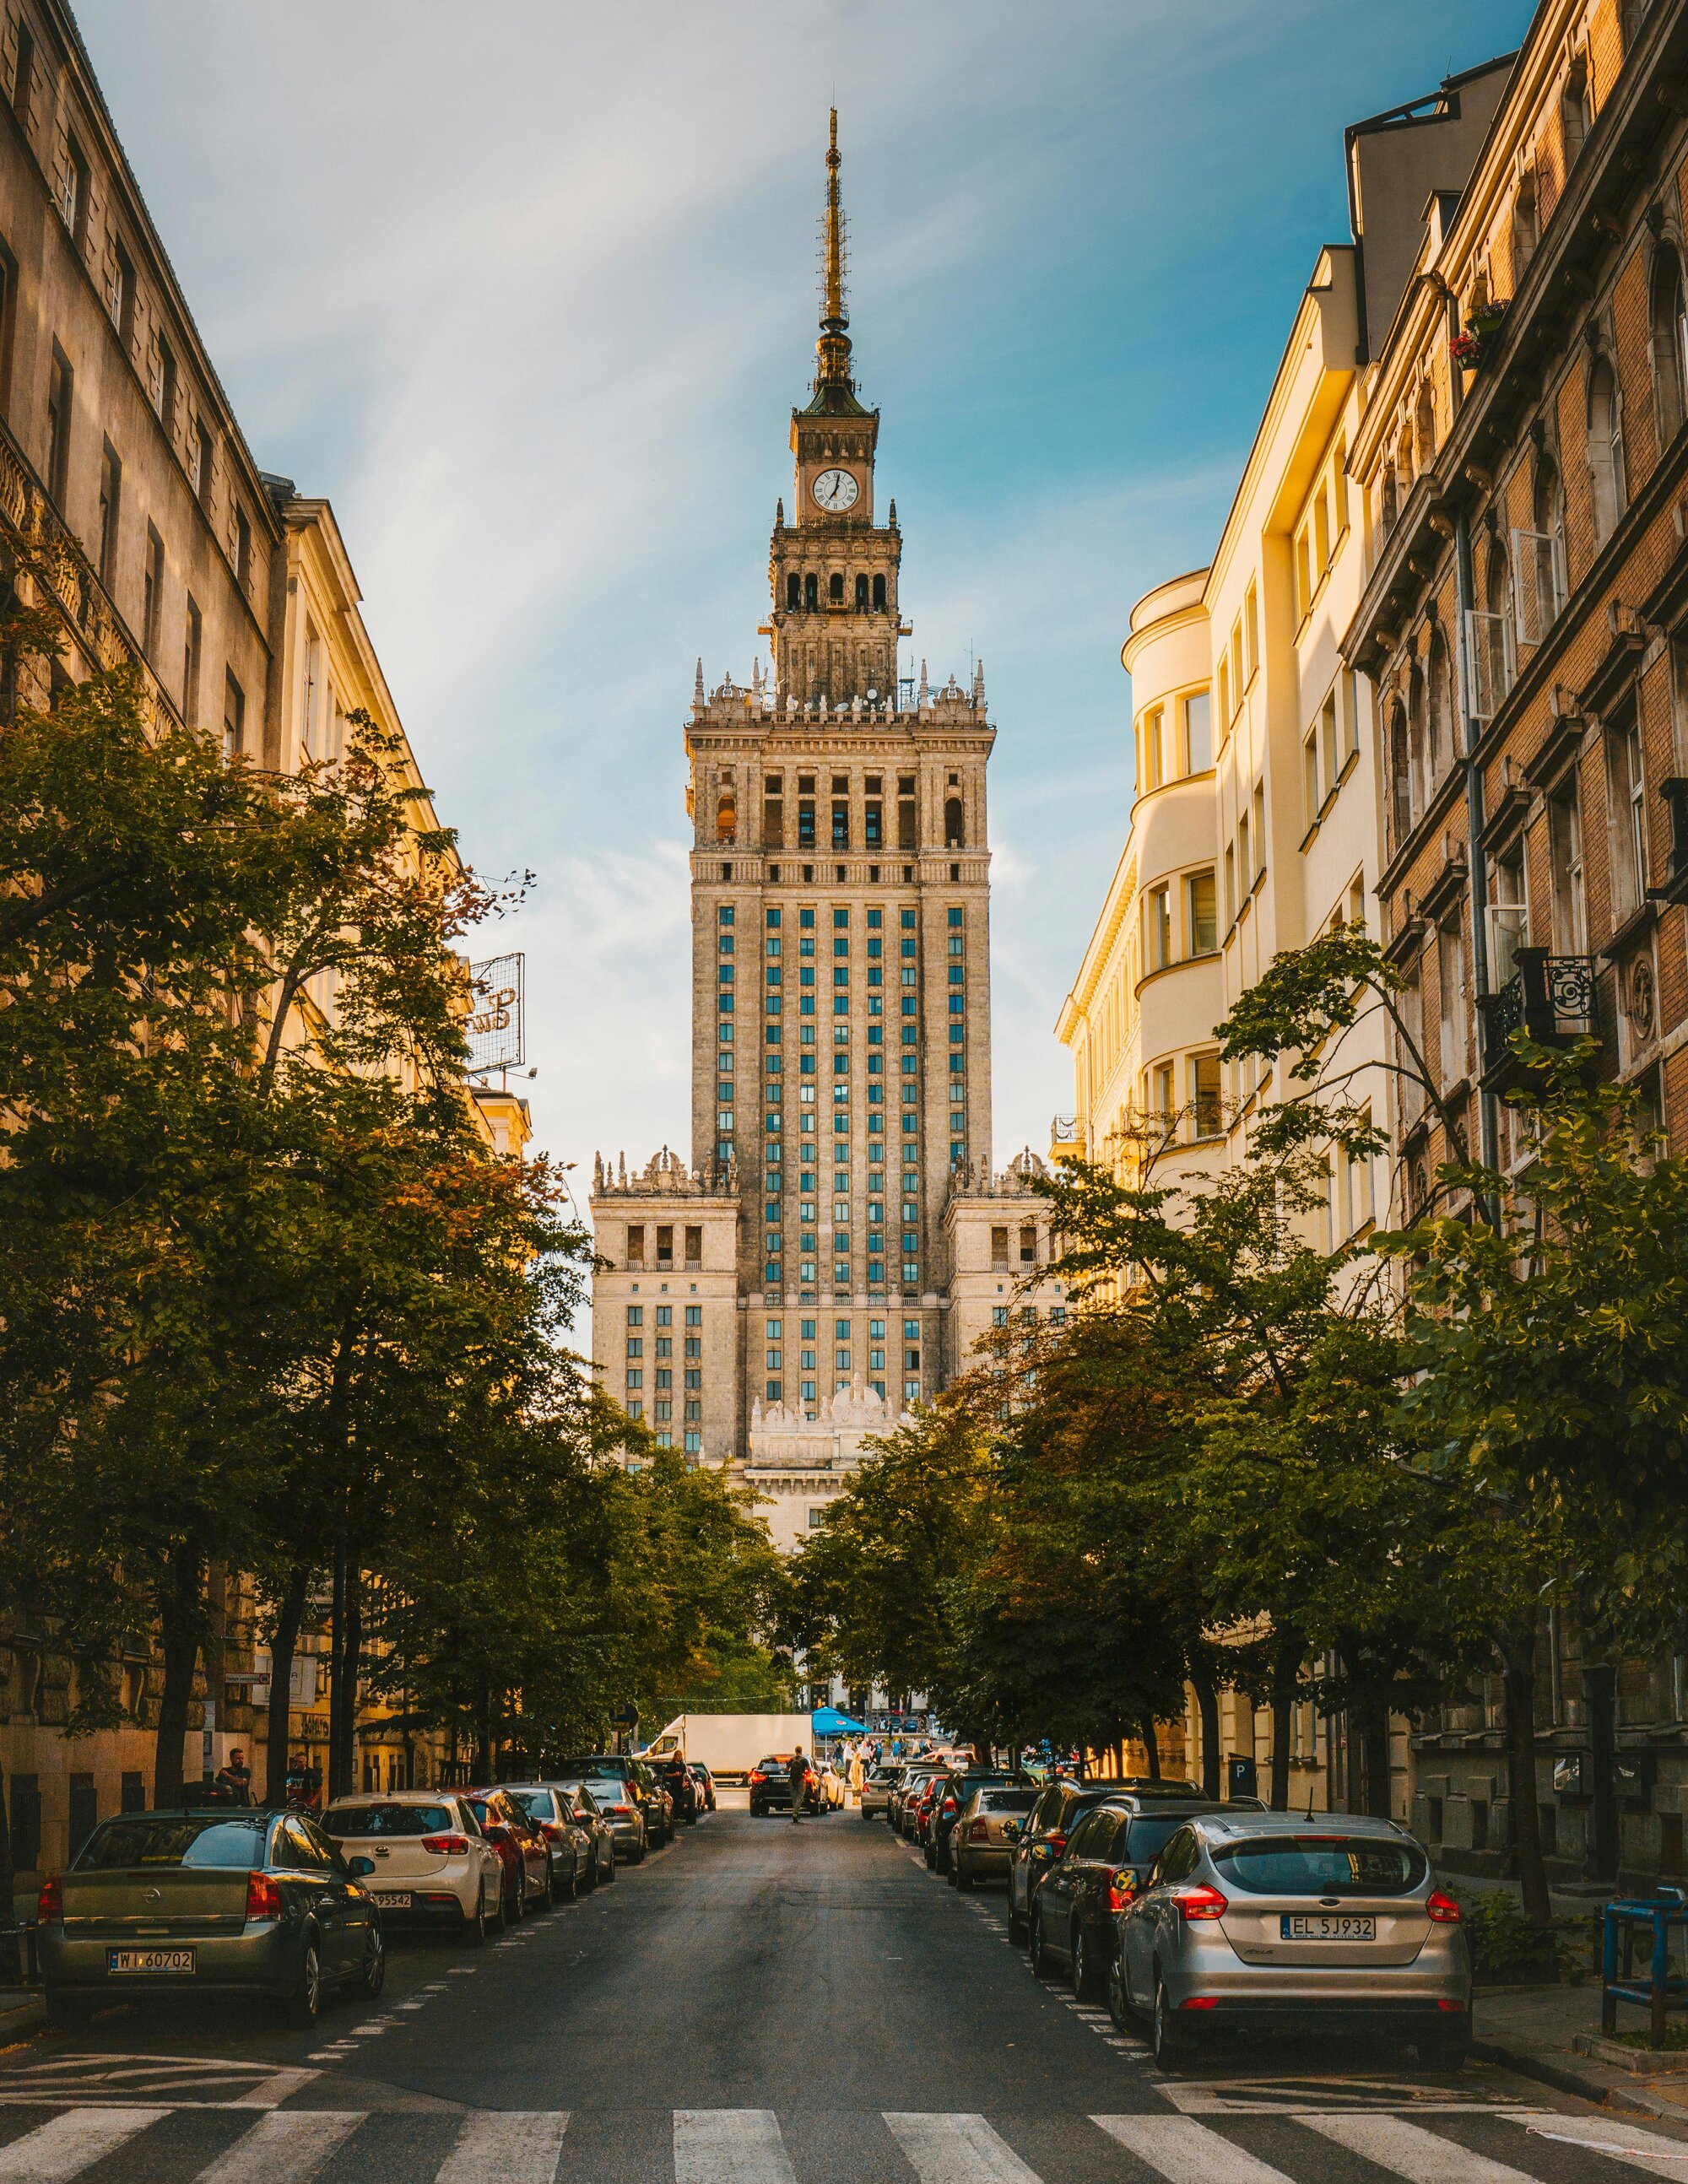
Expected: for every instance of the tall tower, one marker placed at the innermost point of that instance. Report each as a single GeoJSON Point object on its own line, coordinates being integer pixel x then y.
{"type": "Point", "coordinates": [841, 992]}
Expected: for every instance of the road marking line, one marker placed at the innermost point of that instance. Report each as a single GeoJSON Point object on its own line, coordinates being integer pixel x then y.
{"type": "Point", "coordinates": [1411, 2151]}
{"type": "Point", "coordinates": [516, 2146]}
{"type": "Point", "coordinates": [958, 2149]}
{"type": "Point", "coordinates": [274, 2089]}
{"type": "Point", "coordinates": [1185, 2152]}
{"type": "Point", "coordinates": [71, 2143]}
{"type": "Point", "coordinates": [1619, 2142]}
{"type": "Point", "coordinates": [729, 2145]}
{"type": "Point", "coordinates": [282, 2148]}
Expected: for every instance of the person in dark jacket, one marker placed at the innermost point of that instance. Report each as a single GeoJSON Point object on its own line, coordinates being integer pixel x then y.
{"type": "Point", "coordinates": [799, 1772]}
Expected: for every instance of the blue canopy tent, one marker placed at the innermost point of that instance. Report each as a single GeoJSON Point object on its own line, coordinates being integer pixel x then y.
{"type": "Point", "coordinates": [827, 1721]}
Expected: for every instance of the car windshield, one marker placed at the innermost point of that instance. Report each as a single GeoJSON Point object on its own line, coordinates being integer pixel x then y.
{"type": "Point", "coordinates": [1148, 1838]}
{"type": "Point", "coordinates": [153, 1840]}
{"type": "Point", "coordinates": [389, 1820]}
{"type": "Point", "coordinates": [1321, 1865]}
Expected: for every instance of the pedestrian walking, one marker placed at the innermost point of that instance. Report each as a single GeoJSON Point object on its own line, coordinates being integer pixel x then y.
{"type": "Point", "coordinates": [858, 1776]}
{"type": "Point", "coordinates": [798, 1771]}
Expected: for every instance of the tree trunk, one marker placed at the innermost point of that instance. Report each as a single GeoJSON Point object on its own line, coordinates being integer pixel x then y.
{"type": "Point", "coordinates": [1517, 1658]}
{"type": "Point", "coordinates": [1207, 1706]}
{"type": "Point", "coordinates": [179, 1606]}
{"type": "Point", "coordinates": [1286, 1671]}
{"type": "Point", "coordinates": [483, 1733]}
{"type": "Point", "coordinates": [1152, 1746]}
{"type": "Point", "coordinates": [283, 1646]}
{"type": "Point", "coordinates": [343, 1750]}
{"type": "Point", "coordinates": [11, 1958]}
{"type": "Point", "coordinates": [1600, 1682]}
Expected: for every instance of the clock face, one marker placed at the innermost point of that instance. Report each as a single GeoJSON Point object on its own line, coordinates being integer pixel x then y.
{"type": "Point", "coordinates": [835, 491]}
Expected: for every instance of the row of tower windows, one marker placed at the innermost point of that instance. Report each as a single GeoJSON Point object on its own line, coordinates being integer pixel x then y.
{"type": "Point", "coordinates": [805, 591]}
{"type": "Point", "coordinates": [873, 829]}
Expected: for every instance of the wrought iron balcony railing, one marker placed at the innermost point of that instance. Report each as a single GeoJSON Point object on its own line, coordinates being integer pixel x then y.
{"type": "Point", "coordinates": [1551, 999]}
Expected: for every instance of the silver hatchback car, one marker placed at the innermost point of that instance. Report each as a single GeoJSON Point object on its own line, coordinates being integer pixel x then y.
{"type": "Point", "coordinates": [1274, 1921]}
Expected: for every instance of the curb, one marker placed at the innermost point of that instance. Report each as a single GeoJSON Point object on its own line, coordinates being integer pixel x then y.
{"type": "Point", "coordinates": [26, 2016]}
{"type": "Point", "coordinates": [1528, 2064]}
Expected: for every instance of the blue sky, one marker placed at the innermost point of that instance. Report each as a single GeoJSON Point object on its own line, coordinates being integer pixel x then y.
{"type": "Point", "coordinates": [528, 290]}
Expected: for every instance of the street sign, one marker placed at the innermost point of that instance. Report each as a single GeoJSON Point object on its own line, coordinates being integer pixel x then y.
{"type": "Point", "coordinates": [497, 1029]}
{"type": "Point", "coordinates": [625, 1716]}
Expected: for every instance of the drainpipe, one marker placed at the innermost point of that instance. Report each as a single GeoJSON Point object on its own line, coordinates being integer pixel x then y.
{"type": "Point", "coordinates": [1488, 1136]}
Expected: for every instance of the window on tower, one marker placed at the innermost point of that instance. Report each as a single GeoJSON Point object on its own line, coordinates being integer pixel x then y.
{"type": "Point", "coordinates": [878, 595]}
{"type": "Point", "coordinates": [727, 816]}
{"type": "Point", "coordinates": [861, 594]}
{"type": "Point", "coordinates": [955, 832]}
{"type": "Point", "coordinates": [907, 837]}
{"type": "Point", "coordinates": [805, 820]}
{"type": "Point", "coordinates": [793, 590]}
{"type": "Point", "coordinates": [835, 588]}
{"type": "Point", "coordinates": [811, 596]}
{"type": "Point", "coordinates": [773, 811]}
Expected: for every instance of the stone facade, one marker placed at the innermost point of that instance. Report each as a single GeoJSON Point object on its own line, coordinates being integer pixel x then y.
{"type": "Point", "coordinates": [840, 975]}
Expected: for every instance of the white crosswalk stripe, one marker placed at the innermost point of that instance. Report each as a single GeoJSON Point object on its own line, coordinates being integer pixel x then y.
{"type": "Point", "coordinates": [71, 2143]}
{"type": "Point", "coordinates": [1186, 2152]}
{"type": "Point", "coordinates": [729, 2145]}
{"type": "Point", "coordinates": [284, 2147]}
{"type": "Point", "coordinates": [958, 2149]}
{"type": "Point", "coordinates": [513, 2148]}
{"type": "Point", "coordinates": [1423, 2157]}
{"type": "Point", "coordinates": [1619, 2141]}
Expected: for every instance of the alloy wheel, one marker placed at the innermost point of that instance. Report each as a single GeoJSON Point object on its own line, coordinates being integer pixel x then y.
{"type": "Point", "coordinates": [374, 1974]}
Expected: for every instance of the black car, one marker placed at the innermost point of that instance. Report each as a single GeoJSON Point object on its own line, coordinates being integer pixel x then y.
{"type": "Point", "coordinates": [946, 1808]}
{"type": "Point", "coordinates": [677, 1778]}
{"type": "Point", "coordinates": [1108, 1859]}
{"type": "Point", "coordinates": [771, 1786]}
{"type": "Point", "coordinates": [642, 1799]}
{"type": "Point", "coordinates": [1042, 1839]}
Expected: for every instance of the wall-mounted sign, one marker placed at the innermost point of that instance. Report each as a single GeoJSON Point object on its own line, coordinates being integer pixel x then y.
{"type": "Point", "coordinates": [497, 1027]}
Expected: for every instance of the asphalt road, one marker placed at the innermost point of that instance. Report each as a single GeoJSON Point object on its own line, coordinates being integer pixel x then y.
{"type": "Point", "coordinates": [761, 2004]}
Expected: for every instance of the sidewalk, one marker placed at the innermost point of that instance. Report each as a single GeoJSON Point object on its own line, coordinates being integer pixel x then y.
{"type": "Point", "coordinates": [1553, 2034]}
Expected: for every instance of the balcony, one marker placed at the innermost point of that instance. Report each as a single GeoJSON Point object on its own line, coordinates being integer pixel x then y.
{"type": "Point", "coordinates": [1549, 998]}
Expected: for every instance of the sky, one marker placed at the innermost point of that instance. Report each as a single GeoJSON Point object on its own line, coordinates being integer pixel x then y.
{"type": "Point", "coordinates": [528, 290]}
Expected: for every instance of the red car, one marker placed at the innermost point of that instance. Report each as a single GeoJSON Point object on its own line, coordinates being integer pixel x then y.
{"type": "Point", "coordinates": [523, 1849]}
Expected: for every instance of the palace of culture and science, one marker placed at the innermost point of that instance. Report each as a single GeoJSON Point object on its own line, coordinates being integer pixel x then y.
{"type": "Point", "coordinates": [838, 1242]}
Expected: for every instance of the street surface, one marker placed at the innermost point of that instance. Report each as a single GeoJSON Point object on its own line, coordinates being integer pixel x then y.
{"type": "Point", "coordinates": [760, 2004]}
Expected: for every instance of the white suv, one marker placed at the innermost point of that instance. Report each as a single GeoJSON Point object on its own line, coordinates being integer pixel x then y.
{"type": "Point", "coordinates": [429, 1865]}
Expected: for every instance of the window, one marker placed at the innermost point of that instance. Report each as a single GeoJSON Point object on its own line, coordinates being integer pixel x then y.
{"type": "Point", "coordinates": [165, 386]}
{"type": "Point", "coordinates": [1526, 226]}
{"type": "Point", "coordinates": [1204, 1095]}
{"type": "Point", "coordinates": [726, 815]}
{"type": "Point", "coordinates": [1508, 914]}
{"type": "Point", "coordinates": [1201, 913]}
{"type": "Point", "coordinates": [1565, 868]}
{"type": "Point", "coordinates": [1155, 770]}
{"type": "Point", "coordinates": [1576, 112]}
{"type": "Point", "coordinates": [1400, 773]}
{"type": "Point", "coordinates": [1244, 869]}
{"type": "Point", "coordinates": [955, 832]}
{"type": "Point", "coordinates": [121, 296]}
{"type": "Point", "coordinates": [234, 717]}
{"type": "Point", "coordinates": [192, 642]}
{"type": "Point", "coordinates": [111, 506]}
{"type": "Point", "coordinates": [1451, 987]}
{"type": "Point", "coordinates": [152, 593]}
{"type": "Point", "coordinates": [1310, 776]}
{"type": "Point", "coordinates": [72, 198]}
{"type": "Point", "coordinates": [1490, 631]}
{"type": "Point", "coordinates": [243, 548]}
{"type": "Point", "coordinates": [1540, 554]}
{"type": "Point", "coordinates": [1198, 732]}
{"type": "Point", "coordinates": [1157, 929]}
{"type": "Point", "coordinates": [23, 83]}
{"type": "Point", "coordinates": [1626, 789]}
{"type": "Point", "coordinates": [1669, 343]}
{"type": "Point", "coordinates": [1230, 883]}
{"type": "Point", "coordinates": [60, 388]}
{"type": "Point", "coordinates": [1259, 833]}
{"type": "Point", "coordinates": [1605, 449]}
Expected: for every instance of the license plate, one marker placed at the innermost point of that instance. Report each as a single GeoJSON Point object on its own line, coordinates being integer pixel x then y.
{"type": "Point", "coordinates": [1326, 1927]}
{"type": "Point", "coordinates": [396, 1899]}
{"type": "Point", "coordinates": [177, 1961]}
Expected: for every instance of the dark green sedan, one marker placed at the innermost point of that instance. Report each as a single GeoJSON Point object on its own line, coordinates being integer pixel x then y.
{"type": "Point", "coordinates": [249, 1902]}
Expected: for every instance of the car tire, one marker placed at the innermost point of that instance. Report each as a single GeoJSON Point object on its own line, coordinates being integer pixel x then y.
{"type": "Point", "coordinates": [372, 1973]}
{"type": "Point", "coordinates": [1087, 1982]}
{"type": "Point", "coordinates": [1168, 2042]}
{"type": "Point", "coordinates": [589, 1887]}
{"type": "Point", "coordinates": [1119, 2001]}
{"type": "Point", "coordinates": [303, 2006]}
{"type": "Point", "coordinates": [965, 1875]}
{"type": "Point", "coordinates": [1446, 2051]}
{"type": "Point", "coordinates": [66, 2013]}
{"type": "Point", "coordinates": [513, 1901]}
{"type": "Point", "coordinates": [609, 1874]}
{"type": "Point", "coordinates": [1043, 1964]}
{"type": "Point", "coordinates": [636, 1856]}
{"type": "Point", "coordinates": [475, 1924]}
{"type": "Point", "coordinates": [1017, 1921]}
{"type": "Point", "coordinates": [953, 1873]}
{"type": "Point", "coordinates": [931, 1859]}
{"type": "Point", "coordinates": [498, 1919]}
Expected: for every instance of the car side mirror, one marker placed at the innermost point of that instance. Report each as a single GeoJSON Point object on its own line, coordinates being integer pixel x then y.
{"type": "Point", "coordinates": [1010, 1829]}
{"type": "Point", "coordinates": [358, 1866]}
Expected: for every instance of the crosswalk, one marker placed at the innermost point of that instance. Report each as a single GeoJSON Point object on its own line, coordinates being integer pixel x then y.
{"type": "Point", "coordinates": [224, 2144]}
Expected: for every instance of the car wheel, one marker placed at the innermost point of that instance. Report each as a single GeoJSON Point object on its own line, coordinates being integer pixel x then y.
{"type": "Point", "coordinates": [498, 1918]}
{"type": "Point", "coordinates": [303, 2006]}
{"type": "Point", "coordinates": [587, 1886]}
{"type": "Point", "coordinates": [1085, 1980]}
{"type": "Point", "coordinates": [1119, 2002]}
{"type": "Point", "coordinates": [1450, 2051]}
{"type": "Point", "coordinates": [636, 1855]}
{"type": "Point", "coordinates": [475, 1922]}
{"type": "Point", "coordinates": [65, 2012]}
{"type": "Point", "coordinates": [1168, 2041]}
{"type": "Point", "coordinates": [931, 1859]}
{"type": "Point", "coordinates": [1038, 1949]}
{"type": "Point", "coordinates": [513, 1901]}
{"type": "Point", "coordinates": [609, 1870]}
{"type": "Point", "coordinates": [372, 1974]}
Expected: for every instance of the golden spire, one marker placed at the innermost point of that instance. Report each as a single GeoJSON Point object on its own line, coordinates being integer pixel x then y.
{"type": "Point", "coordinates": [833, 318]}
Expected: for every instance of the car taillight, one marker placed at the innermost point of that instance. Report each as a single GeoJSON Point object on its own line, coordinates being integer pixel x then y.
{"type": "Point", "coordinates": [447, 1846]}
{"type": "Point", "coordinates": [756, 1776]}
{"type": "Point", "coordinates": [554, 1828]}
{"type": "Point", "coordinates": [1121, 1887]}
{"type": "Point", "coordinates": [978, 1830]}
{"type": "Point", "coordinates": [1201, 1901]}
{"type": "Point", "coordinates": [1442, 1908]}
{"type": "Point", "coordinates": [263, 1896]}
{"type": "Point", "coordinates": [1200, 2002]}
{"type": "Point", "coordinates": [1453, 2009]}
{"type": "Point", "coordinates": [1057, 1843]}
{"type": "Point", "coordinates": [49, 1909]}
{"type": "Point", "coordinates": [626, 1811]}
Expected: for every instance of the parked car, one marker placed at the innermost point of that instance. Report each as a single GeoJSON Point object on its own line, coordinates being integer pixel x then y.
{"type": "Point", "coordinates": [913, 1777]}
{"type": "Point", "coordinates": [1041, 1841]}
{"type": "Point", "coordinates": [522, 1847]}
{"type": "Point", "coordinates": [953, 1792]}
{"type": "Point", "coordinates": [675, 1778]}
{"type": "Point", "coordinates": [573, 1863]}
{"type": "Point", "coordinates": [926, 1796]}
{"type": "Point", "coordinates": [432, 1867]}
{"type": "Point", "coordinates": [1265, 1920]}
{"type": "Point", "coordinates": [769, 1782]}
{"type": "Point", "coordinates": [607, 1804]}
{"type": "Point", "coordinates": [986, 1827]}
{"type": "Point", "coordinates": [706, 1782]}
{"type": "Point", "coordinates": [876, 1790]}
{"type": "Point", "coordinates": [636, 1792]}
{"type": "Point", "coordinates": [1111, 1852]}
{"type": "Point", "coordinates": [245, 1902]}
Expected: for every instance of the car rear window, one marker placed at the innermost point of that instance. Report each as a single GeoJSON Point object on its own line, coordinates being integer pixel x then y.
{"type": "Point", "coordinates": [1321, 1865]}
{"type": "Point", "coordinates": [341, 1820]}
{"type": "Point", "coordinates": [536, 1804]}
{"type": "Point", "coordinates": [1147, 1838]}
{"type": "Point", "coordinates": [598, 1764]}
{"type": "Point", "coordinates": [124, 1844]}
{"type": "Point", "coordinates": [1007, 1801]}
